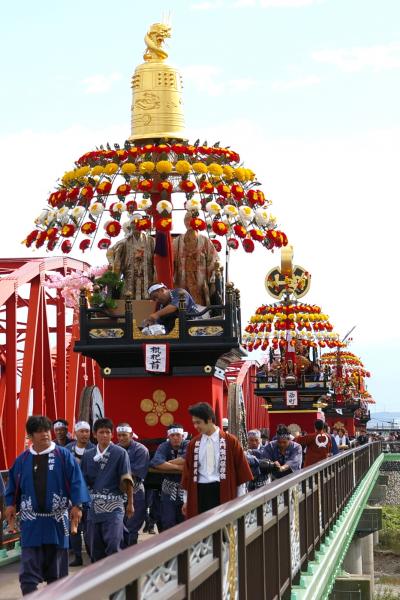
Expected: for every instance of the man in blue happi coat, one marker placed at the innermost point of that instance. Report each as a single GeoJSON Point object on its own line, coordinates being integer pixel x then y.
{"type": "Point", "coordinates": [62, 437]}
{"type": "Point", "coordinates": [107, 472]}
{"type": "Point", "coordinates": [78, 447]}
{"type": "Point", "coordinates": [286, 455]}
{"type": "Point", "coordinates": [259, 465]}
{"type": "Point", "coordinates": [139, 459]}
{"type": "Point", "coordinates": [170, 457]}
{"type": "Point", "coordinates": [43, 483]}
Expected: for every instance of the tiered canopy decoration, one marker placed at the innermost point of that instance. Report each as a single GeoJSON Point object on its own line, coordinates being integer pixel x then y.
{"type": "Point", "coordinates": [306, 323]}
{"type": "Point", "coordinates": [349, 362]}
{"type": "Point", "coordinates": [95, 201]}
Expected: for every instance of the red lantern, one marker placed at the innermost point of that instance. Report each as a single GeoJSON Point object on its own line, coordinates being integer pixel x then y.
{"type": "Point", "coordinates": [84, 245]}
{"type": "Point", "coordinates": [123, 189]}
{"type": "Point", "coordinates": [164, 186]}
{"type": "Point", "coordinates": [87, 192]}
{"type": "Point", "coordinates": [240, 231]}
{"type": "Point", "coordinates": [145, 185]}
{"type": "Point", "coordinates": [197, 224]}
{"type": "Point", "coordinates": [219, 228]}
{"type": "Point", "coordinates": [66, 247]}
{"type": "Point", "coordinates": [67, 230]}
{"type": "Point", "coordinates": [217, 245]}
{"type": "Point", "coordinates": [113, 228]}
{"type": "Point", "coordinates": [51, 233]}
{"type": "Point", "coordinates": [163, 224]}
{"type": "Point", "coordinates": [131, 206]}
{"type": "Point", "coordinates": [257, 235]}
{"type": "Point", "coordinates": [206, 187]}
{"type": "Point", "coordinates": [187, 186]}
{"type": "Point", "coordinates": [104, 243]}
{"type": "Point", "coordinates": [237, 191]}
{"type": "Point", "coordinates": [248, 245]}
{"type": "Point", "coordinates": [51, 244]}
{"type": "Point", "coordinates": [233, 243]}
{"type": "Point", "coordinates": [88, 227]}
{"type": "Point", "coordinates": [41, 238]}
{"type": "Point", "coordinates": [74, 193]}
{"type": "Point", "coordinates": [223, 190]}
{"type": "Point", "coordinates": [104, 188]}
{"type": "Point", "coordinates": [143, 224]}
{"type": "Point", "coordinates": [31, 238]}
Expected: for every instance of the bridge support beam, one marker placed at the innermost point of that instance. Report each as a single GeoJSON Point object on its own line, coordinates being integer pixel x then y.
{"type": "Point", "coordinates": [353, 562]}
{"type": "Point", "coordinates": [368, 565]}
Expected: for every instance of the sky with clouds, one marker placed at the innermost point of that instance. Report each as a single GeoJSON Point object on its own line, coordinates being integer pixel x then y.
{"type": "Point", "coordinates": [307, 91]}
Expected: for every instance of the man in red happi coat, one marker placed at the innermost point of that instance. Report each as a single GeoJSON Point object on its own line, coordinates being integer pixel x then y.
{"type": "Point", "coordinates": [216, 469]}
{"type": "Point", "coordinates": [318, 444]}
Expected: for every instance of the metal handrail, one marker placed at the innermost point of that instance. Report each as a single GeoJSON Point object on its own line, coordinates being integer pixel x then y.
{"type": "Point", "coordinates": [125, 569]}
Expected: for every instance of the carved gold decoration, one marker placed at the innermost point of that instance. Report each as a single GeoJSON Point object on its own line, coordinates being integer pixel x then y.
{"type": "Point", "coordinates": [154, 40]}
{"type": "Point", "coordinates": [172, 404]}
{"type": "Point", "coordinates": [146, 405]}
{"type": "Point", "coordinates": [289, 278]}
{"type": "Point", "coordinates": [159, 408]}
{"type": "Point", "coordinates": [172, 335]}
{"type": "Point", "coordinates": [232, 568]}
{"type": "Point", "coordinates": [156, 91]}
{"type": "Point", "coordinates": [166, 419]}
{"type": "Point", "coordinates": [151, 419]}
{"type": "Point", "coordinates": [159, 396]}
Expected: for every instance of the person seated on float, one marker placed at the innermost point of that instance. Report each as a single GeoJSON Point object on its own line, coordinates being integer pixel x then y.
{"type": "Point", "coordinates": [167, 305]}
{"type": "Point", "coordinates": [285, 454]}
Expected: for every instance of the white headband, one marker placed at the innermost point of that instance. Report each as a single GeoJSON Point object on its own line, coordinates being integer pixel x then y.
{"type": "Point", "coordinates": [127, 429]}
{"type": "Point", "coordinates": [59, 424]}
{"type": "Point", "coordinates": [155, 287]}
{"type": "Point", "coordinates": [82, 425]}
{"type": "Point", "coordinates": [176, 430]}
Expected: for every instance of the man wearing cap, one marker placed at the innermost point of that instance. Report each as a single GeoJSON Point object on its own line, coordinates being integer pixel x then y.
{"type": "Point", "coordinates": [170, 458]}
{"type": "Point", "coordinates": [167, 304]}
{"type": "Point", "coordinates": [139, 459]}
{"type": "Point", "coordinates": [285, 454]}
{"type": "Point", "coordinates": [77, 447]}
{"type": "Point", "coordinates": [62, 437]}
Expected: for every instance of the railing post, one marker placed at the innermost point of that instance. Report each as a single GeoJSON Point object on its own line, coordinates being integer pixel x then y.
{"type": "Point", "coordinates": [184, 572]}
{"type": "Point", "coordinates": [241, 550]}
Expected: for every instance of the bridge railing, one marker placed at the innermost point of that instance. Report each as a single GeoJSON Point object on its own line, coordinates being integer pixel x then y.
{"type": "Point", "coordinates": [252, 547]}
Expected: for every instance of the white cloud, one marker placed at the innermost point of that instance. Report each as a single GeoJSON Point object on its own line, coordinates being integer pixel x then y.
{"type": "Point", "coordinates": [99, 84]}
{"type": "Point", "coordinates": [276, 3]}
{"type": "Point", "coordinates": [209, 79]}
{"type": "Point", "coordinates": [284, 86]}
{"type": "Point", "coordinates": [212, 5]}
{"type": "Point", "coordinates": [378, 58]}
{"type": "Point", "coordinates": [207, 5]}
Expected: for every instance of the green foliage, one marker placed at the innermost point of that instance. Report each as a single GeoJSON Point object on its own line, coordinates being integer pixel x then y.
{"type": "Point", "coordinates": [387, 595]}
{"type": "Point", "coordinates": [109, 287]}
{"type": "Point", "coordinates": [389, 536]}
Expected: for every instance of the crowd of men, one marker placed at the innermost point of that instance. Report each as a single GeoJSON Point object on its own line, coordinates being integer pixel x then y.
{"type": "Point", "coordinates": [68, 491]}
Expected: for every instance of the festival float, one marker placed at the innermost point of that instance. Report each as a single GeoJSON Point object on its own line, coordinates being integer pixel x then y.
{"type": "Point", "coordinates": [129, 200]}
{"type": "Point", "coordinates": [293, 382]}
{"type": "Point", "coordinates": [348, 400]}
